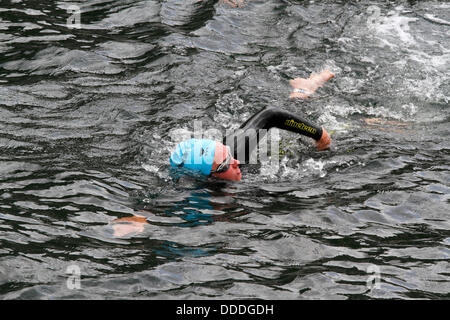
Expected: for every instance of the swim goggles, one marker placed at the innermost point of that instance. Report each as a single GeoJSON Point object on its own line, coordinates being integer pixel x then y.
{"type": "Point", "coordinates": [225, 165]}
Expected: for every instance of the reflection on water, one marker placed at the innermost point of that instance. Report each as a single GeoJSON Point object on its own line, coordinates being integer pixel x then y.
{"type": "Point", "coordinates": [87, 121]}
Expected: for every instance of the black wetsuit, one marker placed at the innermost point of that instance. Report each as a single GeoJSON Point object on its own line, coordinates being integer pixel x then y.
{"type": "Point", "coordinates": [244, 140]}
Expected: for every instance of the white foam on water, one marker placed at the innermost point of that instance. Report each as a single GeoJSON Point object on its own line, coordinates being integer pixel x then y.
{"type": "Point", "coordinates": [230, 111]}
{"type": "Point", "coordinates": [150, 168]}
{"type": "Point", "coordinates": [333, 112]}
{"type": "Point", "coordinates": [409, 60]}
{"type": "Point", "coordinates": [331, 65]}
{"type": "Point", "coordinates": [332, 123]}
{"type": "Point", "coordinates": [314, 167]}
{"type": "Point", "coordinates": [286, 171]}
{"type": "Point", "coordinates": [390, 27]}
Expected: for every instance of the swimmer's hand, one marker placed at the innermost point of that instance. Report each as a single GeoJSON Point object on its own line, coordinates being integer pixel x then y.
{"type": "Point", "coordinates": [324, 142]}
{"type": "Point", "coordinates": [124, 226]}
{"type": "Point", "coordinates": [303, 88]}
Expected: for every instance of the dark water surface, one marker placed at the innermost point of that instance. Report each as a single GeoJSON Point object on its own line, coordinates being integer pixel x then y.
{"type": "Point", "coordinates": [88, 118]}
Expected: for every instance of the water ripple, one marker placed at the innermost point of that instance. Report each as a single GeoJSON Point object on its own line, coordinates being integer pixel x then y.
{"type": "Point", "coordinates": [89, 116]}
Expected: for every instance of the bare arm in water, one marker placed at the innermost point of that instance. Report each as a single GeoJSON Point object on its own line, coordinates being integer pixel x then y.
{"type": "Point", "coordinates": [304, 88]}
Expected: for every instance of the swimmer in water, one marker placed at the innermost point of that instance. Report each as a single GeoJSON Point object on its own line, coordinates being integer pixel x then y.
{"type": "Point", "coordinates": [222, 159]}
{"type": "Point", "coordinates": [219, 159]}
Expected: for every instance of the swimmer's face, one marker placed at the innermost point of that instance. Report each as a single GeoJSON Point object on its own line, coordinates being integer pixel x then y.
{"type": "Point", "coordinates": [222, 155]}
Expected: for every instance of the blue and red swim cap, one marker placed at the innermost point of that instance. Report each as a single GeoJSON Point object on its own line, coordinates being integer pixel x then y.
{"type": "Point", "coordinates": [194, 154]}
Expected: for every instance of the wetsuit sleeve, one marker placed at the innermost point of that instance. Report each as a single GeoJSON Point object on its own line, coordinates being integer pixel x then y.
{"type": "Point", "coordinates": [244, 140]}
{"type": "Point", "coordinates": [273, 118]}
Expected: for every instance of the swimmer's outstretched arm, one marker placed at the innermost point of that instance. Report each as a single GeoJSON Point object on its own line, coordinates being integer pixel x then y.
{"type": "Point", "coordinates": [234, 3]}
{"type": "Point", "coordinates": [303, 88]}
{"type": "Point", "coordinates": [245, 139]}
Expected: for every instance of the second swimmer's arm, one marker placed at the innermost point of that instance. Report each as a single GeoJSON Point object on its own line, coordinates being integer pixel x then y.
{"type": "Point", "coordinates": [304, 88]}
